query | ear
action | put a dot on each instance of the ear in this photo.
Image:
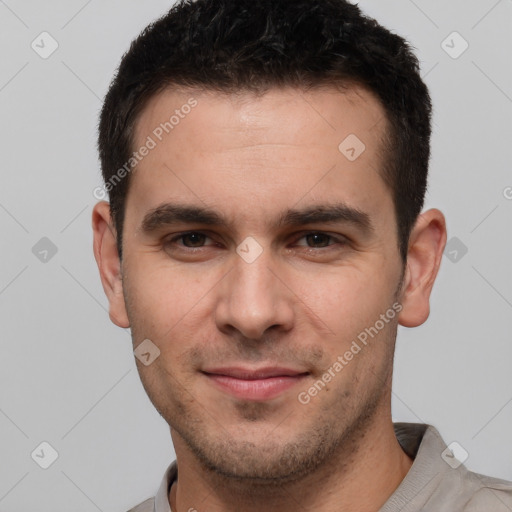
(109, 265)
(426, 246)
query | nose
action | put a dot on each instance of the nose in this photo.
(253, 298)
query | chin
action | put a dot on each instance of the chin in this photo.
(261, 459)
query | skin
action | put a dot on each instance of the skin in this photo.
(300, 304)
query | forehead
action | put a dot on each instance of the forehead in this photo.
(263, 152)
(250, 114)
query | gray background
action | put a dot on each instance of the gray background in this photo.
(67, 375)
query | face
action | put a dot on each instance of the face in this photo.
(257, 250)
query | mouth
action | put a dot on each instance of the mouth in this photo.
(258, 384)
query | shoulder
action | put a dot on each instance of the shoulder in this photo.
(488, 493)
(145, 506)
(438, 482)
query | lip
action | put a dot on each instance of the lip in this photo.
(256, 384)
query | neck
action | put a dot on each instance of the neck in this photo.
(359, 476)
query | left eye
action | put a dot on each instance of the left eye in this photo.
(319, 240)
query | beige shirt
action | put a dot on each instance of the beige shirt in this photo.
(436, 481)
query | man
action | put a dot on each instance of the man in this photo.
(266, 164)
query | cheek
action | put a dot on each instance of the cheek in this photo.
(162, 298)
(153, 305)
(347, 300)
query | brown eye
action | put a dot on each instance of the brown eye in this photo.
(320, 242)
(193, 239)
(318, 239)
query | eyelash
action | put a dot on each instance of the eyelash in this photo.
(342, 241)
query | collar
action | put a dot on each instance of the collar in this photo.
(162, 495)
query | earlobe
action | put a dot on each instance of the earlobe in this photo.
(426, 246)
(109, 265)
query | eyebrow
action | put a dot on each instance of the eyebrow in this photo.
(168, 214)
